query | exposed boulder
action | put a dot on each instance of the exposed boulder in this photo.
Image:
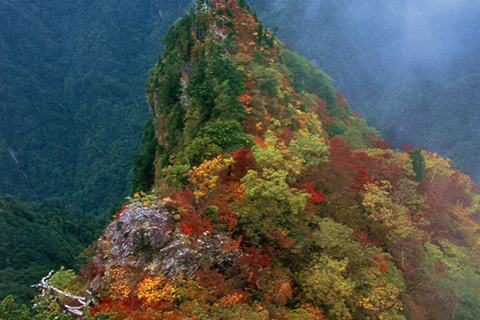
(145, 236)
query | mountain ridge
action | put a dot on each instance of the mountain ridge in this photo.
(259, 194)
(310, 213)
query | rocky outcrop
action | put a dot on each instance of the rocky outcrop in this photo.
(145, 236)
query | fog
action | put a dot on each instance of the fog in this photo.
(410, 66)
(431, 33)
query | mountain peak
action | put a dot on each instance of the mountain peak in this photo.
(222, 70)
(259, 194)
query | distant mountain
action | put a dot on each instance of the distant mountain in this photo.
(72, 98)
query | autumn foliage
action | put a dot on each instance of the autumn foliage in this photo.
(321, 219)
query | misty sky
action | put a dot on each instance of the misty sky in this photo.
(428, 32)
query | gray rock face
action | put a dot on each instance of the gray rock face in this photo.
(146, 237)
(138, 229)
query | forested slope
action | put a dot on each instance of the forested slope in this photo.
(37, 238)
(73, 106)
(259, 194)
